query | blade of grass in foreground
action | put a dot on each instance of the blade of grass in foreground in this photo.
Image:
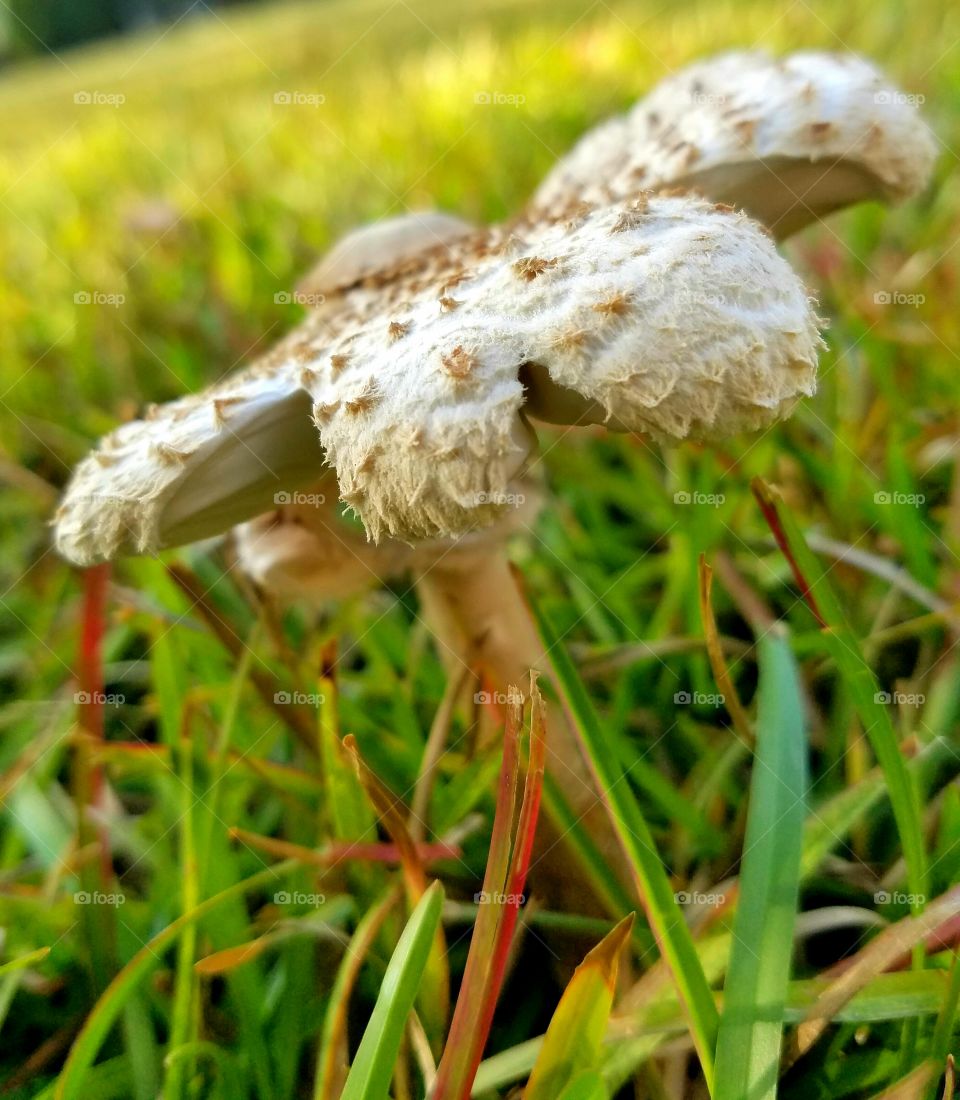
(632, 1042)
(372, 1069)
(329, 1076)
(86, 1046)
(663, 913)
(503, 885)
(751, 1024)
(571, 1046)
(859, 681)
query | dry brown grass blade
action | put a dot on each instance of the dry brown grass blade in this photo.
(337, 853)
(437, 739)
(298, 719)
(715, 652)
(389, 809)
(915, 1086)
(879, 955)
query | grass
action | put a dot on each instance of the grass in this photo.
(185, 215)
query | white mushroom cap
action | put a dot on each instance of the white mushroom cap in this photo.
(787, 140)
(672, 316)
(382, 244)
(304, 551)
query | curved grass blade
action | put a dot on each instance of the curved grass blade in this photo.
(751, 1024)
(329, 1075)
(859, 681)
(663, 913)
(434, 1001)
(372, 1069)
(503, 885)
(632, 1040)
(586, 1086)
(572, 1043)
(887, 949)
(72, 1080)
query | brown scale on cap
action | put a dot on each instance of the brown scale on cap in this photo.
(459, 363)
(628, 219)
(448, 305)
(369, 462)
(614, 305)
(573, 339)
(322, 412)
(397, 330)
(746, 130)
(338, 362)
(365, 400)
(170, 456)
(221, 406)
(530, 267)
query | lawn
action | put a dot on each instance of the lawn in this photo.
(168, 923)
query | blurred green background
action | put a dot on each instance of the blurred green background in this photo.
(160, 190)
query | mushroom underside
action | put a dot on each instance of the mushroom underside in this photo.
(784, 193)
(241, 473)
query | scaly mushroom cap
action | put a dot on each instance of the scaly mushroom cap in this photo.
(787, 140)
(670, 316)
(373, 247)
(304, 551)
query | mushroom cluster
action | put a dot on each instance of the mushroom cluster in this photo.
(637, 291)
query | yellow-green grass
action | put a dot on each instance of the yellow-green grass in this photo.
(186, 199)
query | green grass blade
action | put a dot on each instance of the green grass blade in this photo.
(586, 1086)
(572, 1043)
(372, 1069)
(751, 1024)
(663, 913)
(72, 1080)
(860, 681)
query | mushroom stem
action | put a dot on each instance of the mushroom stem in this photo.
(477, 614)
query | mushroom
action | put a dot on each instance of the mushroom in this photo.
(788, 140)
(666, 315)
(661, 314)
(369, 249)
